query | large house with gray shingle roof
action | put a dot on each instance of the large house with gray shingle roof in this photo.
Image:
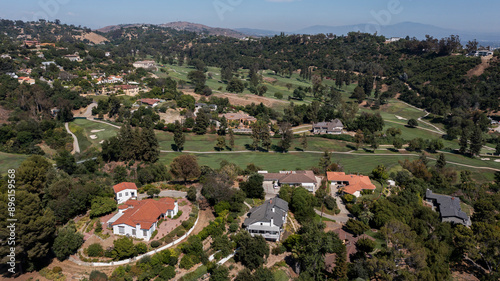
(267, 220)
(333, 127)
(448, 207)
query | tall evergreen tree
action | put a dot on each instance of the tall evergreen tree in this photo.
(221, 143)
(179, 137)
(464, 141)
(231, 139)
(265, 136)
(476, 141)
(303, 141)
(150, 151)
(441, 162)
(286, 136)
(325, 161)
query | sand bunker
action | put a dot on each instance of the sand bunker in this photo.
(93, 137)
(485, 159)
(400, 118)
(497, 160)
(101, 141)
(97, 131)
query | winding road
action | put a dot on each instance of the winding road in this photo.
(76, 146)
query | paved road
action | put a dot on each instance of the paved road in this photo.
(165, 193)
(88, 111)
(76, 146)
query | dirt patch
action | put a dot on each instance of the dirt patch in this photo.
(384, 88)
(4, 115)
(92, 37)
(462, 276)
(243, 100)
(171, 116)
(269, 79)
(479, 70)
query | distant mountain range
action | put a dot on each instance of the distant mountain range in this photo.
(403, 29)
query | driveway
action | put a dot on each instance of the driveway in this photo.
(76, 146)
(165, 193)
(269, 190)
(344, 214)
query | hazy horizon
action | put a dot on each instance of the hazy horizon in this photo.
(277, 15)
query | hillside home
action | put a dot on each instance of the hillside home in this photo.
(448, 207)
(26, 80)
(306, 179)
(267, 220)
(350, 184)
(333, 127)
(125, 191)
(73, 58)
(149, 102)
(139, 219)
(148, 64)
(129, 90)
(239, 120)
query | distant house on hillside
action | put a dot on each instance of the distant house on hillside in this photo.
(448, 207)
(26, 80)
(480, 53)
(350, 184)
(149, 102)
(306, 179)
(333, 127)
(125, 191)
(139, 219)
(267, 220)
(147, 64)
(73, 58)
(129, 90)
(239, 120)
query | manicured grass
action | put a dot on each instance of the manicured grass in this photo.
(378, 242)
(280, 275)
(242, 142)
(10, 161)
(83, 130)
(195, 275)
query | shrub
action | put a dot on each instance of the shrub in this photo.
(181, 232)
(233, 227)
(95, 250)
(330, 203)
(141, 248)
(155, 244)
(96, 275)
(178, 215)
(98, 227)
(185, 224)
(57, 269)
(186, 262)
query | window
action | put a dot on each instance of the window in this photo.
(145, 233)
(126, 193)
(132, 193)
(134, 232)
(119, 195)
(121, 229)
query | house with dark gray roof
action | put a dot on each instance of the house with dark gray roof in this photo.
(448, 207)
(333, 127)
(267, 220)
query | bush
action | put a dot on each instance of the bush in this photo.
(98, 227)
(155, 244)
(181, 232)
(233, 227)
(178, 215)
(95, 250)
(186, 262)
(330, 203)
(57, 269)
(278, 250)
(141, 248)
(185, 224)
(96, 275)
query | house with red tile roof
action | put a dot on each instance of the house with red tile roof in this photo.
(125, 191)
(139, 219)
(149, 102)
(350, 184)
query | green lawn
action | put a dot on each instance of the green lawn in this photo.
(10, 161)
(378, 242)
(83, 130)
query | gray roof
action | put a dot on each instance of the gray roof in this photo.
(293, 177)
(448, 206)
(264, 212)
(330, 125)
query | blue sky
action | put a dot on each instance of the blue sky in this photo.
(279, 15)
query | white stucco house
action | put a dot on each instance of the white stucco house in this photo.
(267, 220)
(306, 179)
(125, 191)
(139, 219)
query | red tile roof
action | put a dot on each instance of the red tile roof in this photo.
(124, 185)
(149, 101)
(145, 212)
(356, 183)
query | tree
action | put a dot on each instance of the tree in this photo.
(365, 245)
(67, 242)
(198, 78)
(412, 123)
(235, 86)
(66, 162)
(32, 174)
(441, 161)
(202, 122)
(120, 174)
(101, 206)
(302, 205)
(476, 141)
(435, 145)
(150, 149)
(359, 94)
(265, 136)
(397, 143)
(303, 141)
(253, 187)
(356, 227)
(286, 136)
(152, 192)
(123, 248)
(325, 161)
(185, 167)
(221, 143)
(231, 139)
(220, 273)
(252, 251)
(35, 228)
(464, 141)
(179, 137)
(191, 194)
(380, 174)
(359, 138)
(95, 250)
(222, 127)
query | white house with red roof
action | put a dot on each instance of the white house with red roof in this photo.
(139, 219)
(125, 191)
(350, 184)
